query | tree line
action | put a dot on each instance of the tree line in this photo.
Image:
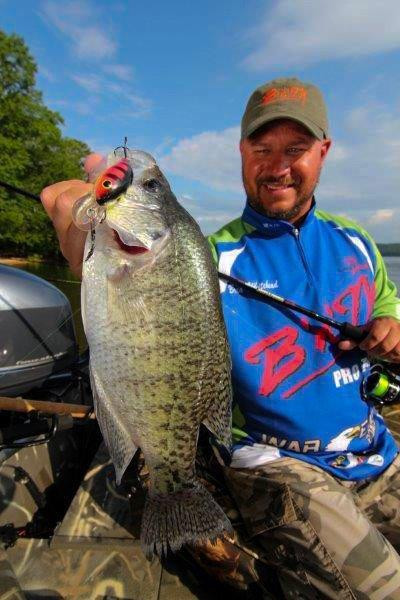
(33, 151)
(389, 249)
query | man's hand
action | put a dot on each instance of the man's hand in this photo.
(382, 341)
(58, 200)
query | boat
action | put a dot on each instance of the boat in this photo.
(66, 530)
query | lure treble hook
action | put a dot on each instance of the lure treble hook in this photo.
(92, 234)
(108, 186)
(124, 148)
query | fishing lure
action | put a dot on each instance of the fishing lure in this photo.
(89, 211)
(113, 182)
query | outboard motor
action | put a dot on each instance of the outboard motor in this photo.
(43, 457)
(37, 336)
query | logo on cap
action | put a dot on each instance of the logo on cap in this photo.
(280, 94)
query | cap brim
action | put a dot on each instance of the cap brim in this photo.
(264, 119)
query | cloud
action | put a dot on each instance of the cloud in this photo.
(214, 218)
(122, 72)
(361, 175)
(94, 43)
(369, 168)
(82, 23)
(338, 153)
(90, 83)
(211, 157)
(366, 181)
(46, 73)
(72, 19)
(142, 106)
(129, 104)
(380, 216)
(307, 31)
(211, 213)
(162, 147)
(82, 108)
(98, 146)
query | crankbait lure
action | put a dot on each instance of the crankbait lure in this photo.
(113, 182)
(89, 210)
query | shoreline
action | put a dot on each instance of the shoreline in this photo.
(16, 260)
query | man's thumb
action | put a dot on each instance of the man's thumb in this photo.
(94, 164)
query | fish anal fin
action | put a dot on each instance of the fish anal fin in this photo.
(116, 436)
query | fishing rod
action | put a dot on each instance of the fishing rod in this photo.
(347, 330)
(17, 190)
(381, 387)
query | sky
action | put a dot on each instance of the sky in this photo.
(174, 77)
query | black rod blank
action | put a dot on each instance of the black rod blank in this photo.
(17, 190)
(347, 330)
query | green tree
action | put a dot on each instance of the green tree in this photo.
(33, 153)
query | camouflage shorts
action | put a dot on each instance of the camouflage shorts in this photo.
(326, 538)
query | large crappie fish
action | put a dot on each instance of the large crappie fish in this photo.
(159, 356)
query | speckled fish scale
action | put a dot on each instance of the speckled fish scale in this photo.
(159, 356)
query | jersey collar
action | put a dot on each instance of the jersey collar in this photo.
(273, 227)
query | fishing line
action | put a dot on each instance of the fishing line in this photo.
(240, 317)
(347, 330)
(17, 190)
(71, 316)
(63, 280)
(92, 237)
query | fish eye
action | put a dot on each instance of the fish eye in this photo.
(155, 235)
(107, 183)
(151, 185)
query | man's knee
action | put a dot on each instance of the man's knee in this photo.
(312, 531)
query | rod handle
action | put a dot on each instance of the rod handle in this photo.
(353, 332)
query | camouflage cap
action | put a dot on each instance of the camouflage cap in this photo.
(286, 99)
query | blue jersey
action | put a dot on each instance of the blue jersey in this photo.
(295, 392)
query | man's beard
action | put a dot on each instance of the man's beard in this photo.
(282, 215)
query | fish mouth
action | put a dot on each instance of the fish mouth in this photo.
(129, 248)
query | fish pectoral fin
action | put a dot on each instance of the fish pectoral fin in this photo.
(115, 434)
(121, 304)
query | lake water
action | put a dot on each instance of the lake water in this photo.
(62, 277)
(393, 267)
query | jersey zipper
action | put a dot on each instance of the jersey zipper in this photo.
(307, 269)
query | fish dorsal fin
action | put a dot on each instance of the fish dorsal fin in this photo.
(218, 418)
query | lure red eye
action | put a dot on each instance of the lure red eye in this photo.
(113, 181)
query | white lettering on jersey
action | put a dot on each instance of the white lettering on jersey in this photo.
(293, 445)
(348, 375)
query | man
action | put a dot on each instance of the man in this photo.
(314, 470)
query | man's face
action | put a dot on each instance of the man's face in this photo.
(281, 164)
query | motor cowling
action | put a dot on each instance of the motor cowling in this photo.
(37, 336)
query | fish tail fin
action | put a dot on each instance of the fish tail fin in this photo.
(187, 516)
